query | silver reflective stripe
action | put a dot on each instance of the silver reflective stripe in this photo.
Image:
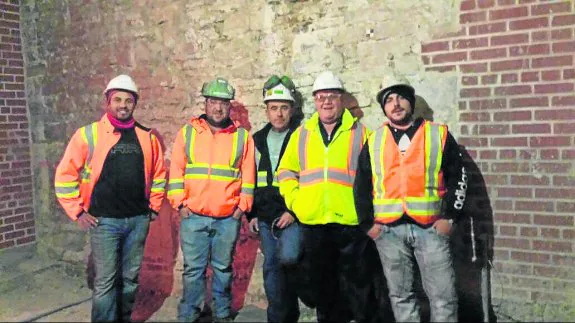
(188, 129)
(424, 205)
(258, 157)
(338, 176)
(196, 170)
(201, 170)
(176, 186)
(66, 190)
(356, 144)
(302, 148)
(310, 177)
(262, 179)
(90, 137)
(239, 147)
(247, 190)
(388, 208)
(287, 174)
(225, 173)
(377, 166)
(434, 137)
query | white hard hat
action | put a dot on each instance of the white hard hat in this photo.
(122, 82)
(327, 81)
(278, 92)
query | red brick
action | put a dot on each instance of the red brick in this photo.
(507, 154)
(513, 90)
(472, 17)
(495, 129)
(467, 5)
(549, 154)
(550, 75)
(25, 240)
(563, 20)
(529, 102)
(450, 57)
(425, 59)
(469, 80)
(555, 193)
(509, 78)
(470, 43)
(473, 68)
(506, 2)
(569, 74)
(488, 154)
(475, 92)
(552, 272)
(489, 79)
(435, 47)
(563, 101)
(554, 246)
(482, 4)
(512, 218)
(474, 116)
(566, 114)
(564, 128)
(565, 207)
(539, 49)
(564, 181)
(559, 34)
(488, 53)
(528, 232)
(553, 88)
(509, 39)
(505, 167)
(530, 257)
(550, 8)
(25, 225)
(568, 234)
(508, 142)
(515, 192)
(539, 36)
(563, 47)
(488, 104)
(529, 180)
(508, 13)
(554, 167)
(534, 206)
(14, 234)
(512, 116)
(538, 128)
(507, 230)
(529, 76)
(473, 142)
(529, 23)
(561, 260)
(550, 233)
(7, 244)
(501, 254)
(496, 27)
(512, 243)
(552, 61)
(549, 141)
(514, 64)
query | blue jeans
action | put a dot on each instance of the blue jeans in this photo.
(204, 238)
(117, 248)
(280, 255)
(399, 248)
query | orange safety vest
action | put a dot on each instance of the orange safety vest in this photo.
(410, 183)
(81, 166)
(212, 173)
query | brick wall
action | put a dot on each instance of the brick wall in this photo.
(515, 59)
(16, 216)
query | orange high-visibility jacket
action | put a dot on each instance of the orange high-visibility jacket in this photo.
(212, 173)
(411, 183)
(80, 168)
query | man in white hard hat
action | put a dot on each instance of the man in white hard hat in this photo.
(277, 226)
(111, 182)
(316, 175)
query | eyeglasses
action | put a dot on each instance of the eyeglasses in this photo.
(274, 80)
(321, 97)
(214, 102)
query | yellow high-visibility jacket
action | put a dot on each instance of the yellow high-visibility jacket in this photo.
(317, 181)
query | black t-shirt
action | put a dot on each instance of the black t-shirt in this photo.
(121, 189)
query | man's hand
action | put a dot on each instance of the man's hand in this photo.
(185, 212)
(285, 220)
(237, 213)
(254, 226)
(443, 227)
(87, 221)
(375, 231)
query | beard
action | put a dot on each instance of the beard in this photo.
(221, 124)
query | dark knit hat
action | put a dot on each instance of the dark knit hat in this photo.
(404, 90)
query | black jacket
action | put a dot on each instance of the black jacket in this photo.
(268, 203)
(454, 177)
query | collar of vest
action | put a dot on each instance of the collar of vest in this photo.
(347, 121)
(201, 125)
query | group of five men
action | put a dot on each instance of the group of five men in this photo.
(326, 197)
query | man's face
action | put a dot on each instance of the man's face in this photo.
(217, 110)
(328, 105)
(279, 114)
(121, 105)
(398, 109)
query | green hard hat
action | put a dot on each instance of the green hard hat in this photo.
(218, 88)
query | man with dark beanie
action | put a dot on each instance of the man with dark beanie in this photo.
(111, 182)
(411, 181)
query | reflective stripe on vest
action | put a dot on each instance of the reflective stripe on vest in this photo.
(71, 189)
(424, 208)
(337, 176)
(262, 176)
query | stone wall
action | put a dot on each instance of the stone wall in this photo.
(16, 215)
(498, 73)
